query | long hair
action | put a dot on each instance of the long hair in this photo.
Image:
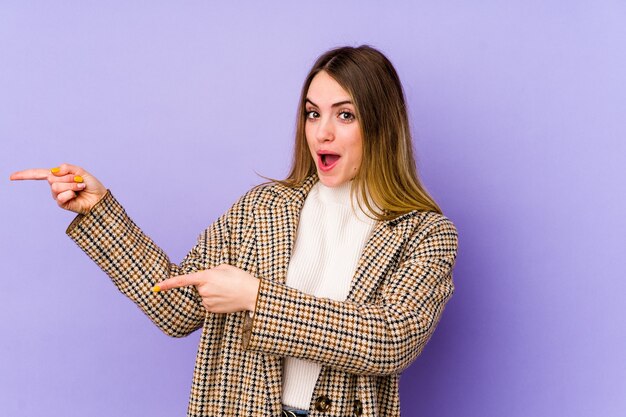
(387, 184)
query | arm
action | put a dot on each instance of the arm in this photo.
(379, 339)
(135, 263)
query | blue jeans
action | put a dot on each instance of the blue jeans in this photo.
(293, 412)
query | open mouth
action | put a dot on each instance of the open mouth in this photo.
(329, 159)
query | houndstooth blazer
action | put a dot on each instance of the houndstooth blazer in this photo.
(399, 289)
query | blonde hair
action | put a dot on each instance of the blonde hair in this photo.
(387, 183)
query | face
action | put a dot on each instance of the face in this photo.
(332, 131)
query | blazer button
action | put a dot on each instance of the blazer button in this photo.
(322, 403)
(358, 408)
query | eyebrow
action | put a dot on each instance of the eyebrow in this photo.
(333, 105)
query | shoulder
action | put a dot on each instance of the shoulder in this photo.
(275, 193)
(261, 198)
(422, 222)
(426, 231)
(266, 194)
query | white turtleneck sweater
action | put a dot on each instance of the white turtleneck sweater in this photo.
(332, 234)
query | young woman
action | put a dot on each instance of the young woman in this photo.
(314, 292)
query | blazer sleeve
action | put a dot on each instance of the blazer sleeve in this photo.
(135, 263)
(376, 339)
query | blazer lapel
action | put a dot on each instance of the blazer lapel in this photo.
(276, 226)
(379, 258)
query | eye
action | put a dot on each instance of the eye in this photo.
(311, 114)
(346, 115)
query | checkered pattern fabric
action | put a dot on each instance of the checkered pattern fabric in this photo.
(398, 292)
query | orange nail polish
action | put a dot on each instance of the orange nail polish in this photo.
(55, 170)
(78, 178)
(156, 288)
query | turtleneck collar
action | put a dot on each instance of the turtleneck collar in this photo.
(340, 196)
(335, 195)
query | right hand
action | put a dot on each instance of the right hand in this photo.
(66, 186)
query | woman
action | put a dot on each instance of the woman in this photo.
(314, 292)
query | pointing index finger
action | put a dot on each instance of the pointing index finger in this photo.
(177, 282)
(30, 174)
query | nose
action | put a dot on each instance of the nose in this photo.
(325, 130)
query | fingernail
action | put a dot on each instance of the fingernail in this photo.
(81, 186)
(156, 288)
(78, 178)
(55, 170)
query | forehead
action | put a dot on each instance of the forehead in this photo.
(325, 90)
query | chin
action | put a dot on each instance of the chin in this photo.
(331, 181)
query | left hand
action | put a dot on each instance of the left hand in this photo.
(224, 289)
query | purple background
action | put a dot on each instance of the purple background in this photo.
(519, 115)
